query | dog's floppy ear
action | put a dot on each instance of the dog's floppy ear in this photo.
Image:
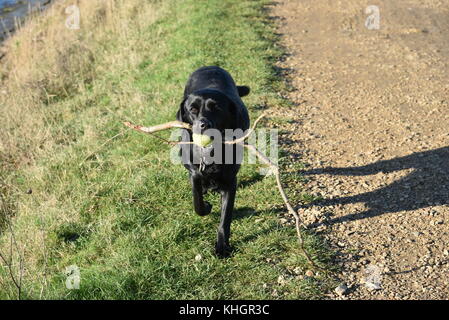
(240, 119)
(181, 114)
(243, 90)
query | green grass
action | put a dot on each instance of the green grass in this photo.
(124, 215)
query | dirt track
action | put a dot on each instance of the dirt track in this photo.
(372, 124)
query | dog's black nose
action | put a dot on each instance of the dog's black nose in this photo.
(201, 125)
(204, 124)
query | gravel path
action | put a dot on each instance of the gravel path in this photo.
(372, 124)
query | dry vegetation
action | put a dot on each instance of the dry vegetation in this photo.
(46, 76)
(47, 62)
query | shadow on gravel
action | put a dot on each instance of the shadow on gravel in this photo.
(427, 185)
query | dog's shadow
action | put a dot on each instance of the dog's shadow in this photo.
(246, 182)
(244, 212)
(427, 185)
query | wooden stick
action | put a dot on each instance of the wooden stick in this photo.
(298, 222)
(159, 127)
(183, 125)
(251, 148)
(248, 133)
(16, 279)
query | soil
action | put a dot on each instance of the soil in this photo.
(371, 123)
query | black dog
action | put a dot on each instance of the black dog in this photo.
(212, 101)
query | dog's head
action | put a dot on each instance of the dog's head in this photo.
(209, 109)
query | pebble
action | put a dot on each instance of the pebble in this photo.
(372, 286)
(282, 280)
(309, 273)
(341, 290)
(365, 262)
(297, 271)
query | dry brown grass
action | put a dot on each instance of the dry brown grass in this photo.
(46, 62)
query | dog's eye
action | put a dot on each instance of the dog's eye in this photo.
(211, 105)
(194, 108)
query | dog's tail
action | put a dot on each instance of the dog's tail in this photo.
(243, 90)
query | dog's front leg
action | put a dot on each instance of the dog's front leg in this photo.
(201, 207)
(222, 247)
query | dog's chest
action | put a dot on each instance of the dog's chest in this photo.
(215, 173)
(211, 176)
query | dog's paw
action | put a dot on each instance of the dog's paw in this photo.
(222, 249)
(207, 209)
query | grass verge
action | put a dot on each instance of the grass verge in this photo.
(122, 211)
